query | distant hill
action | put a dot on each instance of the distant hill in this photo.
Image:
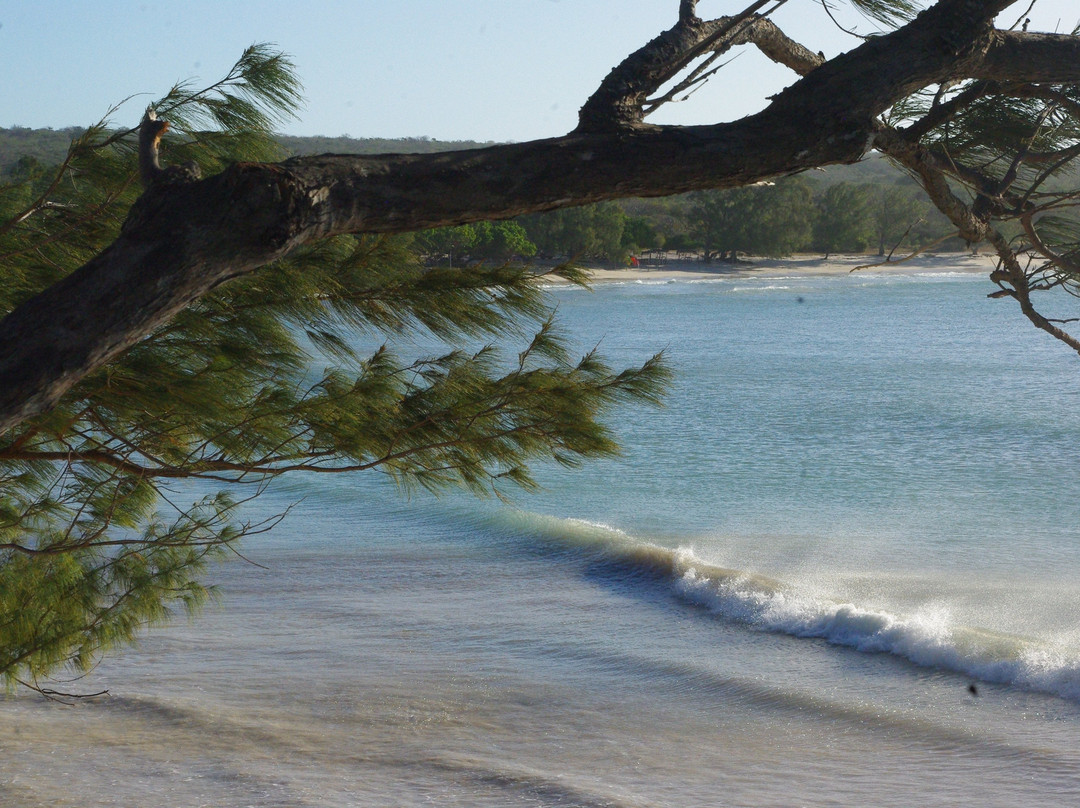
(47, 146)
(298, 146)
(50, 146)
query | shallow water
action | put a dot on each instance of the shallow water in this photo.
(860, 500)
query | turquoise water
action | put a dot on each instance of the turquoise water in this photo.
(860, 500)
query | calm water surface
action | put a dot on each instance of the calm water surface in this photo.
(861, 499)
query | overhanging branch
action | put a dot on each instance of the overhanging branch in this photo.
(182, 240)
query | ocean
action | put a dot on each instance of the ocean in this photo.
(838, 568)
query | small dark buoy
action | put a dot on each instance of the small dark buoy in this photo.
(973, 689)
(799, 299)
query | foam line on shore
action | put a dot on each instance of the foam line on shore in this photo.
(929, 638)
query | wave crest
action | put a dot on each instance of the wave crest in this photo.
(929, 637)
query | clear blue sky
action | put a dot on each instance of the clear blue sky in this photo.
(450, 69)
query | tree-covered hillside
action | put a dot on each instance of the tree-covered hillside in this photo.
(49, 146)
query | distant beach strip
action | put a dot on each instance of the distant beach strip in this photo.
(682, 269)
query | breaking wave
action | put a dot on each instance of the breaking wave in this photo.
(928, 638)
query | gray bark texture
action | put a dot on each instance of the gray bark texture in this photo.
(182, 239)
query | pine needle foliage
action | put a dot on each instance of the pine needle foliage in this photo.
(887, 12)
(1004, 156)
(99, 535)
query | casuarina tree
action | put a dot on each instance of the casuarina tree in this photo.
(154, 320)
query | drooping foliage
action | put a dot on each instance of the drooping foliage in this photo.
(113, 503)
(1000, 159)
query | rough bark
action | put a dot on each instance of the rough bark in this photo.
(181, 240)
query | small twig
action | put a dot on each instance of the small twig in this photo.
(1010, 175)
(60, 696)
(1023, 17)
(1059, 261)
(696, 77)
(825, 5)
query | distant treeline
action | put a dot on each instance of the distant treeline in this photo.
(793, 215)
(869, 206)
(46, 146)
(297, 146)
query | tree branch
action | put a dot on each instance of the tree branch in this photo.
(758, 31)
(1028, 57)
(942, 112)
(182, 240)
(621, 99)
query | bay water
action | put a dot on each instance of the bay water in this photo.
(838, 568)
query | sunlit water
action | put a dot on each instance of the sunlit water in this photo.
(861, 499)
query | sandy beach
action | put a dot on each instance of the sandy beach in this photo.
(839, 264)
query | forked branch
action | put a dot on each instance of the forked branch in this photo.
(624, 97)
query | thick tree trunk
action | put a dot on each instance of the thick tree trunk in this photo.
(181, 240)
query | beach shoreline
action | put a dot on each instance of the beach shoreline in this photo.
(796, 265)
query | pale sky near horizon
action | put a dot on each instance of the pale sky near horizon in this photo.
(501, 70)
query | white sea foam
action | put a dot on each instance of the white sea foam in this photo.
(764, 287)
(929, 637)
